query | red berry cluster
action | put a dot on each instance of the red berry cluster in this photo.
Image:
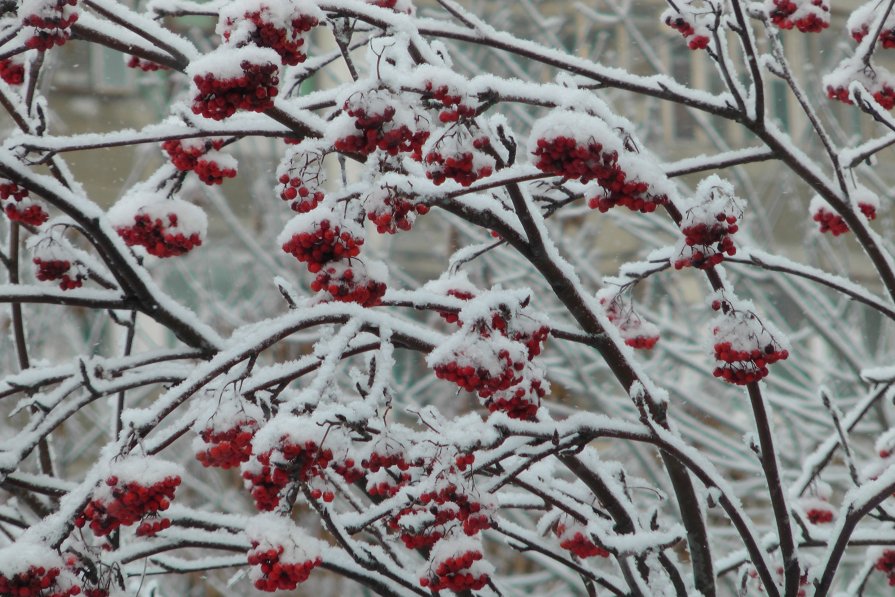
(394, 479)
(819, 515)
(37, 581)
(324, 243)
(395, 212)
(886, 36)
(288, 462)
(276, 574)
(185, 153)
(12, 71)
(576, 540)
(708, 242)
(680, 24)
(376, 129)
(18, 207)
(348, 470)
(228, 448)
(451, 316)
(128, 502)
(883, 93)
(460, 166)
(288, 41)
(303, 195)
(452, 574)
(631, 194)
(221, 98)
(566, 157)
(144, 65)
(58, 269)
(479, 379)
(518, 402)
(349, 284)
(153, 235)
(451, 100)
(150, 528)
(638, 334)
(52, 23)
(213, 167)
(830, 221)
(744, 359)
(809, 21)
(886, 564)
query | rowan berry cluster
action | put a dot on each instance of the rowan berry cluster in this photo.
(708, 226)
(203, 157)
(832, 222)
(18, 207)
(686, 24)
(50, 22)
(349, 282)
(574, 538)
(376, 126)
(390, 210)
(144, 65)
(388, 471)
(218, 96)
(272, 470)
(322, 242)
(886, 36)
(12, 71)
(277, 573)
(36, 581)
(885, 563)
(744, 346)
(227, 448)
(637, 332)
(303, 196)
(451, 100)
(58, 269)
(571, 159)
(808, 16)
(461, 156)
(455, 573)
(882, 92)
(123, 503)
(155, 236)
(266, 27)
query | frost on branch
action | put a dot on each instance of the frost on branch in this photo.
(708, 223)
(165, 227)
(282, 555)
(280, 25)
(744, 346)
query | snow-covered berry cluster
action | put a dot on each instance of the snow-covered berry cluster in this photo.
(31, 570)
(388, 468)
(300, 178)
(830, 221)
(377, 119)
(708, 224)
(403, 6)
(137, 489)
(462, 154)
(861, 19)
(320, 237)
(690, 22)
(808, 16)
(47, 22)
(281, 555)
(280, 25)
(636, 331)
(391, 210)
(203, 157)
(352, 281)
(492, 355)
(51, 270)
(818, 510)
(18, 206)
(231, 79)
(878, 81)
(573, 537)
(579, 146)
(456, 564)
(12, 70)
(450, 98)
(164, 227)
(227, 448)
(743, 345)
